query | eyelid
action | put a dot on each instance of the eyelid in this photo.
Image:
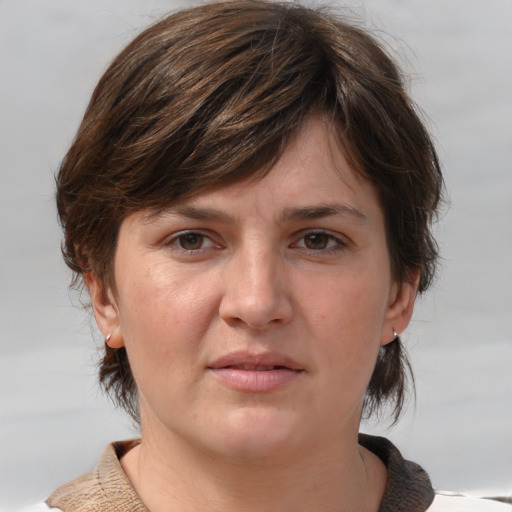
(341, 241)
(172, 241)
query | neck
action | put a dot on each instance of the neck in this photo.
(175, 476)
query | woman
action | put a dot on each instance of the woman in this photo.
(249, 200)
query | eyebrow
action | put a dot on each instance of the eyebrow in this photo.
(322, 211)
(290, 214)
(197, 213)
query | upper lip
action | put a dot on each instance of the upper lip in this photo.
(254, 361)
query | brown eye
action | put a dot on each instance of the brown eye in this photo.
(191, 241)
(317, 241)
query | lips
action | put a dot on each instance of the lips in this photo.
(255, 373)
(251, 367)
(256, 362)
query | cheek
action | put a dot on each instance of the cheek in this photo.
(346, 316)
(348, 303)
(163, 316)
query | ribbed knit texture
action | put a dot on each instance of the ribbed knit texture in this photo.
(408, 488)
(105, 489)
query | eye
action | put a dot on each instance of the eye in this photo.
(320, 241)
(317, 241)
(191, 241)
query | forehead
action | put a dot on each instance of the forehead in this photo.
(312, 173)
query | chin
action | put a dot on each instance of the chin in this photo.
(259, 433)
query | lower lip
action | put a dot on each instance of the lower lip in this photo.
(255, 381)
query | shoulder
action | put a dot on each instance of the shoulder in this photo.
(105, 488)
(85, 490)
(450, 502)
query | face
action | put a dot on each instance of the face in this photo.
(252, 314)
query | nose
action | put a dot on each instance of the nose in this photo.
(256, 290)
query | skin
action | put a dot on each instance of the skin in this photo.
(294, 265)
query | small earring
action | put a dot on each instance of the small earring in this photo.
(107, 339)
(395, 335)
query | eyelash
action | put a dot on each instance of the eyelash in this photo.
(174, 242)
(337, 245)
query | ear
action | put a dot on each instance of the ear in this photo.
(105, 311)
(401, 306)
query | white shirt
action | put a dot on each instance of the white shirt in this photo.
(450, 502)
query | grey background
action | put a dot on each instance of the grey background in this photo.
(53, 420)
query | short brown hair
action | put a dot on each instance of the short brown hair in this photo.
(215, 93)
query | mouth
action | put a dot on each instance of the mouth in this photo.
(253, 368)
(247, 361)
(256, 373)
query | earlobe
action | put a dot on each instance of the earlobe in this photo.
(400, 310)
(105, 311)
